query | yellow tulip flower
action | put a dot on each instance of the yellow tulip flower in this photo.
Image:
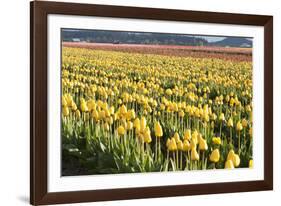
(121, 130)
(244, 122)
(177, 137)
(234, 158)
(147, 135)
(142, 123)
(65, 111)
(169, 92)
(84, 107)
(216, 140)
(251, 163)
(172, 145)
(229, 164)
(239, 126)
(194, 137)
(187, 135)
(186, 146)
(123, 110)
(194, 155)
(129, 125)
(230, 122)
(180, 145)
(158, 130)
(203, 144)
(215, 156)
(221, 117)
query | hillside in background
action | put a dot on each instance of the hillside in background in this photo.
(234, 42)
(131, 38)
(121, 37)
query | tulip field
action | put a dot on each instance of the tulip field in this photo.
(128, 111)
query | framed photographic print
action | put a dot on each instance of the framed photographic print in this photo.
(133, 102)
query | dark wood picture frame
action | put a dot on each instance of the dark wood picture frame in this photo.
(38, 102)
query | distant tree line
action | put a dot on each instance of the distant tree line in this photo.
(121, 37)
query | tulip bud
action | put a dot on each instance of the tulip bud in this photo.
(215, 155)
(244, 123)
(187, 134)
(158, 130)
(186, 146)
(216, 140)
(121, 130)
(230, 122)
(129, 125)
(229, 164)
(147, 136)
(142, 123)
(180, 145)
(172, 145)
(222, 118)
(203, 144)
(239, 126)
(194, 137)
(194, 155)
(251, 164)
(177, 137)
(65, 111)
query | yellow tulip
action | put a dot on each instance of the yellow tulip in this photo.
(180, 145)
(147, 136)
(231, 153)
(169, 92)
(111, 110)
(187, 135)
(203, 144)
(194, 155)
(158, 130)
(251, 163)
(137, 123)
(121, 130)
(74, 106)
(95, 115)
(215, 156)
(142, 123)
(129, 125)
(229, 164)
(239, 126)
(230, 122)
(130, 114)
(123, 110)
(222, 118)
(244, 123)
(102, 114)
(84, 107)
(177, 137)
(63, 101)
(194, 137)
(193, 144)
(65, 111)
(186, 146)
(216, 140)
(181, 113)
(172, 145)
(234, 158)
